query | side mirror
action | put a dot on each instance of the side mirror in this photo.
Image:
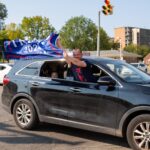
(106, 80)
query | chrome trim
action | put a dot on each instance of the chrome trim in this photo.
(79, 125)
(17, 73)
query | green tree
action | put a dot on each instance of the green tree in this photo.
(138, 49)
(3, 34)
(3, 11)
(79, 32)
(36, 27)
(114, 45)
(143, 50)
(131, 48)
(14, 31)
(3, 37)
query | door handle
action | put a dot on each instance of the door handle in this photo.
(75, 89)
(35, 83)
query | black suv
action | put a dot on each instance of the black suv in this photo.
(118, 103)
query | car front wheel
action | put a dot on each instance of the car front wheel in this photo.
(24, 114)
(138, 132)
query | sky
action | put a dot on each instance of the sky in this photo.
(135, 13)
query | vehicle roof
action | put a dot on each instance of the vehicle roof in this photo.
(49, 59)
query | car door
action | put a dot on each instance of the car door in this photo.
(89, 103)
(51, 95)
(93, 104)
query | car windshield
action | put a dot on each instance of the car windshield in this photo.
(128, 72)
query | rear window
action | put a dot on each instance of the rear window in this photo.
(31, 70)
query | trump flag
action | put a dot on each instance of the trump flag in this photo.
(18, 49)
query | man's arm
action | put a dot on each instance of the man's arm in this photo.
(69, 59)
(74, 61)
(64, 51)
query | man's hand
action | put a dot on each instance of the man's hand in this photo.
(67, 58)
(65, 54)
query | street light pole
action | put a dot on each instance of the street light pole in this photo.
(120, 49)
(98, 36)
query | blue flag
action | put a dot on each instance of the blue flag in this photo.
(18, 49)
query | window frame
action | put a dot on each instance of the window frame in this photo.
(18, 73)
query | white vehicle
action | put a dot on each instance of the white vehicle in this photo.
(140, 66)
(4, 69)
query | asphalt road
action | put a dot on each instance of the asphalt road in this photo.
(53, 137)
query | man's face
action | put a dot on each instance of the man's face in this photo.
(77, 54)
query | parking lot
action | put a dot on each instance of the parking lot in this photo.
(53, 137)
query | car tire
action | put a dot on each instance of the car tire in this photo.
(25, 114)
(138, 132)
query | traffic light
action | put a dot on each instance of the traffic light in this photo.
(110, 9)
(107, 9)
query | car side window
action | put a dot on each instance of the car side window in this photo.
(53, 69)
(60, 70)
(92, 73)
(95, 73)
(99, 74)
(31, 70)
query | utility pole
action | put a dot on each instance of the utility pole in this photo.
(98, 35)
(120, 49)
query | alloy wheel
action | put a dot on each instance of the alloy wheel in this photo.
(141, 135)
(23, 114)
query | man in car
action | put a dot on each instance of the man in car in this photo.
(79, 68)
